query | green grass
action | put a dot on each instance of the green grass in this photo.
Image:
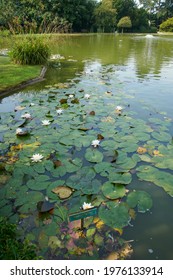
(13, 74)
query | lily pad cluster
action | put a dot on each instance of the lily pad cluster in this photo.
(70, 156)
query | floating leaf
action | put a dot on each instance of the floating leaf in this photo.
(115, 215)
(93, 155)
(98, 239)
(112, 191)
(120, 178)
(54, 242)
(141, 150)
(162, 136)
(160, 178)
(63, 191)
(141, 199)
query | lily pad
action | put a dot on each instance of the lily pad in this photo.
(63, 191)
(93, 155)
(112, 191)
(120, 178)
(141, 199)
(114, 214)
(160, 178)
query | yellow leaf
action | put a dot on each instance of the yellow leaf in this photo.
(141, 150)
(32, 145)
(99, 223)
(132, 213)
(16, 148)
(113, 256)
(157, 153)
(120, 230)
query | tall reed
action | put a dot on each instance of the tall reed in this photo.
(30, 51)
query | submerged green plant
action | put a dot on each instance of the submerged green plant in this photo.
(31, 51)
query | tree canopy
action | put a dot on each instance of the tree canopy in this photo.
(48, 16)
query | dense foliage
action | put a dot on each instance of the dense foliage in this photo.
(54, 16)
(11, 247)
(31, 51)
(167, 25)
(124, 22)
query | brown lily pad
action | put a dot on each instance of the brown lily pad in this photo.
(63, 191)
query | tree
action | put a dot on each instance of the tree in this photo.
(124, 22)
(105, 16)
(125, 8)
(167, 25)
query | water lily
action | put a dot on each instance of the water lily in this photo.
(45, 122)
(18, 131)
(119, 108)
(87, 96)
(59, 111)
(32, 104)
(26, 116)
(95, 143)
(37, 158)
(71, 96)
(86, 206)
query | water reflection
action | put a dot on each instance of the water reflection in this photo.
(148, 55)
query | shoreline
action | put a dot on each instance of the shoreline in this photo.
(24, 83)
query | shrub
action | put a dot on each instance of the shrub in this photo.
(11, 247)
(30, 51)
(167, 25)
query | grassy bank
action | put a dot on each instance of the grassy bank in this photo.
(12, 74)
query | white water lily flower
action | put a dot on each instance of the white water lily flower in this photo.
(37, 158)
(95, 143)
(32, 104)
(87, 96)
(59, 111)
(18, 131)
(119, 108)
(86, 206)
(26, 116)
(45, 122)
(71, 96)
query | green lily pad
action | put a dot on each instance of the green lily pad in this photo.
(114, 214)
(141, 199)
(93, 155)
(35, 185)
(120, 178)
(162, 136)
(112, 191)
(160, 178)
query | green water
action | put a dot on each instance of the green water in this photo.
(141, 70)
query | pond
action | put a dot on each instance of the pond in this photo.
(115, 89)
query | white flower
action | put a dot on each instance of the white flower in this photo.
(87, 96)
(32, 104)
(26, 116)
(95, 143)
(86, 206)
(45, 122)
(37, 158)
(71, 96)
(119, 108)
(59, 111)
(18, 131)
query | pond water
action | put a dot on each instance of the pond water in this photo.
(134, 158)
